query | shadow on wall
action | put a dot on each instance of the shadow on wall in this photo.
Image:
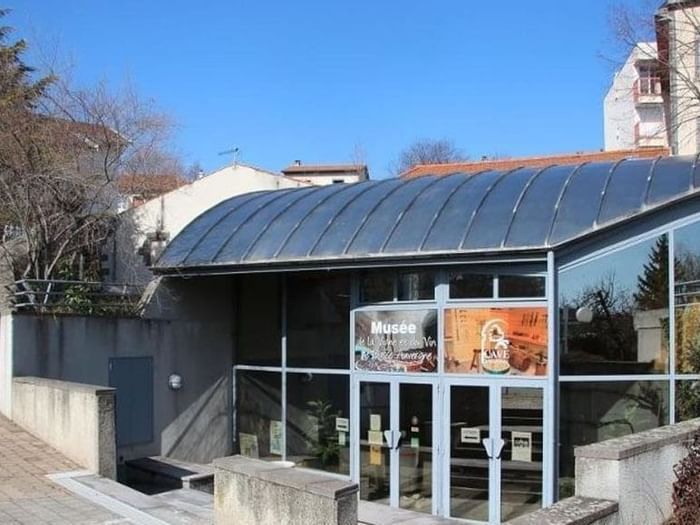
(199, 431)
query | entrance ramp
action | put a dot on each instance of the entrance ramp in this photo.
(175, 507)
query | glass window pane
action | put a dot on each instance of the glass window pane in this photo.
(318, 428)
(318, 321)
(464, 285)
(687, 298)
(509, 341)
(615, 315)
(687, 400)
(416, 447)
(593, 412)
(258, 321)
(375, 418)
(626, 190)
(259, 414)
(521, 466)
(469, 463)
(416, 286)
(376, 286)
(521, 286)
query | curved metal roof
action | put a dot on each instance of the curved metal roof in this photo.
(487, 212)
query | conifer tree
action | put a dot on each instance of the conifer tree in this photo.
(652, 285)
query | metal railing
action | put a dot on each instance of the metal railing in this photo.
(75, 297)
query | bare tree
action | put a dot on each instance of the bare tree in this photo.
(674, 27)
(61, 151)
(427, 151)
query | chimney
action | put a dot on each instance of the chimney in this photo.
(297, 162)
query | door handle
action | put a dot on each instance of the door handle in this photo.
(499, 445)
(494, 447)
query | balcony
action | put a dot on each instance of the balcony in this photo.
(647, 90)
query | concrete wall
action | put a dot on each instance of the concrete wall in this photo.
(254, 492)
(75, 419)
(635, 470)
(193, 423)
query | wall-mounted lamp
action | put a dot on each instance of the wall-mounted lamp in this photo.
(175, 381)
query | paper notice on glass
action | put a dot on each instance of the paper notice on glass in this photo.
(341, 439)
(522, 446)
(375, 455)
(470, 435)
(375, 422)
(374, 437)
(248, 444)
(342, 424)
(415, 442)
(276, 437)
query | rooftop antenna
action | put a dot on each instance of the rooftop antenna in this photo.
(234, 152)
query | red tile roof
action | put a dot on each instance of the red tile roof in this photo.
(532, 162)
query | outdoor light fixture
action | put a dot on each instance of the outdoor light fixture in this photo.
(175, 381)
(584, 314)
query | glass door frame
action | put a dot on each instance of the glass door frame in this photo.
(395, 381)
(495, 387)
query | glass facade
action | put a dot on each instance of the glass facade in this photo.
(380, 340)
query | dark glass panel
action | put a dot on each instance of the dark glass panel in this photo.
(521, 286)
(465, 285)
(258, 321)
(377, 286)
(416, 286)
(318, 321)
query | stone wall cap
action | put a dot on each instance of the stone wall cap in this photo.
(576, 510)
(64, 385)
(280, 474)
(639, 443)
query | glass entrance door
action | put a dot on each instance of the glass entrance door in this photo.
(495, 444)
(396, 444)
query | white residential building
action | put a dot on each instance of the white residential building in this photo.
(145, 230)
(677, 25)
(323, 174)
(634, 112)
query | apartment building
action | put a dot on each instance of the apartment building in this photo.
(678, 40)
(634, 112)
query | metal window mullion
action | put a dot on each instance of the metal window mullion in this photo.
(672, 325)
(283, 344)
(550, 460)
(495, 433)
(442, 290)
(394, 453)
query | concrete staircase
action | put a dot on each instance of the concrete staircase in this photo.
(182, 506)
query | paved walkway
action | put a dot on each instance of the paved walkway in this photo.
(28, 497)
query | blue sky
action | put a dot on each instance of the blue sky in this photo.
(318, 80)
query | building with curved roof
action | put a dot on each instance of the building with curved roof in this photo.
(446, 341)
